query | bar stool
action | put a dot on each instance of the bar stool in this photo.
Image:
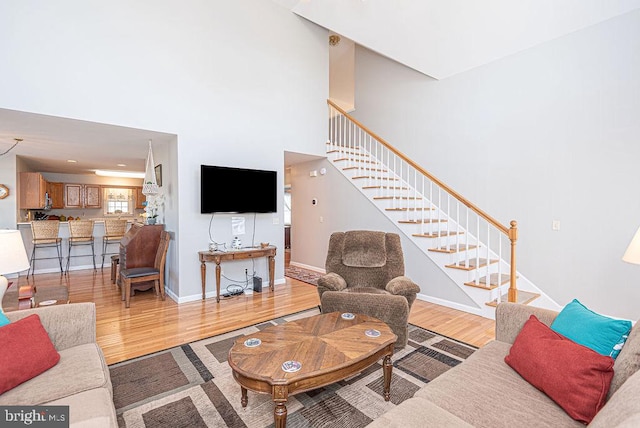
(45, 234)
(81, 233)
(114, 230)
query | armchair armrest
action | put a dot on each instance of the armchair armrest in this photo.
(332, 282)
(67, 325)
(510, 318)
(403, 286)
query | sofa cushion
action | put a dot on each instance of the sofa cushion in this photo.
(25, 352)
(80, 368)
(476, 391)
(574, 376)
(602, 334)
(418, 412)
(89, 409)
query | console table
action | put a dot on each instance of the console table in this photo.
(246, 253)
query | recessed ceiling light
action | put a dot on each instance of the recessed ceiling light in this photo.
(122, 164)
(72, 161)
(123, 174)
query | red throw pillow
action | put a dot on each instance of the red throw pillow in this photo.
(25, 352)
(576, 377)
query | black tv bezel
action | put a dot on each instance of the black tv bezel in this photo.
(244, 179)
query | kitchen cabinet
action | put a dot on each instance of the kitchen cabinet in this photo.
(56, 194)
(33, 191)
(140, 198)
(82, 196)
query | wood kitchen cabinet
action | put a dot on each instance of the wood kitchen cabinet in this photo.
(140, 198)
(82, 196)
(33, 189)
(56, 194)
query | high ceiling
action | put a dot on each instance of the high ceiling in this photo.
(439, 38)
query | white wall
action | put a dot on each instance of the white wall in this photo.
(238, 82)
(551, 133)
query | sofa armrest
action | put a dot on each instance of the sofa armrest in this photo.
(510, 318)
(67, 325)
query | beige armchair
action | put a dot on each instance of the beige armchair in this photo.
(365, 274)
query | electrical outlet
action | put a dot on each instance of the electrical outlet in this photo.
(555, 225)
(276, 220)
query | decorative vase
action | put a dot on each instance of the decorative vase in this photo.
(151, 221)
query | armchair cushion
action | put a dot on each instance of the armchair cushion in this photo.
(364, 249)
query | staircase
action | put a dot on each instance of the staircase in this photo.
(476, 252)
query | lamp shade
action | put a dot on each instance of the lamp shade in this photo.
(13, 257)
(632, 255)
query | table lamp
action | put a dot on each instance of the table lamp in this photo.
(13, 257)
(632, 255)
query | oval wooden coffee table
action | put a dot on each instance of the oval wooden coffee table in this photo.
(317, 351)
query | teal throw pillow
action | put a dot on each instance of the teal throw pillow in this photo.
(604, 335)
(3, 319)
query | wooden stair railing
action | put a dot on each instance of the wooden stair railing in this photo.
(399, 180)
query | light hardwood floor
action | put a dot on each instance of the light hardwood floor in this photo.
(151, 324)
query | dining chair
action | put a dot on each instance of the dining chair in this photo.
(81, 234)
(45, 234)
(114, 230)
(130, 277)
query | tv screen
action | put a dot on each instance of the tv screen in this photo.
(237, 190)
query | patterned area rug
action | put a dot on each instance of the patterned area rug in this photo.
(191, 385)
(304, 275)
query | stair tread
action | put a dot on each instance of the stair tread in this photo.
(353, 160)
(423, 221)
(493, 281)
(472, 264)
(408, 209)
(436, 234)
(348, 168)
(453, 249)
(373, 177)
(406, 198)
(386, 187)
(524, 298)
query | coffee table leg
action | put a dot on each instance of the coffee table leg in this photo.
(386, 369)
(280, 414)
(244, 400)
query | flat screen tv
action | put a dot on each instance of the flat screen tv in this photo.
(237, 190)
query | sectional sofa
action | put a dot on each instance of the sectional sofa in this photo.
(484, 391)
(80, 379)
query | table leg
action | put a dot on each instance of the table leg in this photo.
(218, 272)
(272, 268)
(280, 414)
(244, 400)
(203, 274)
(386, 369)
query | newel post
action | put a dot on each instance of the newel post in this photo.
(513, 236)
